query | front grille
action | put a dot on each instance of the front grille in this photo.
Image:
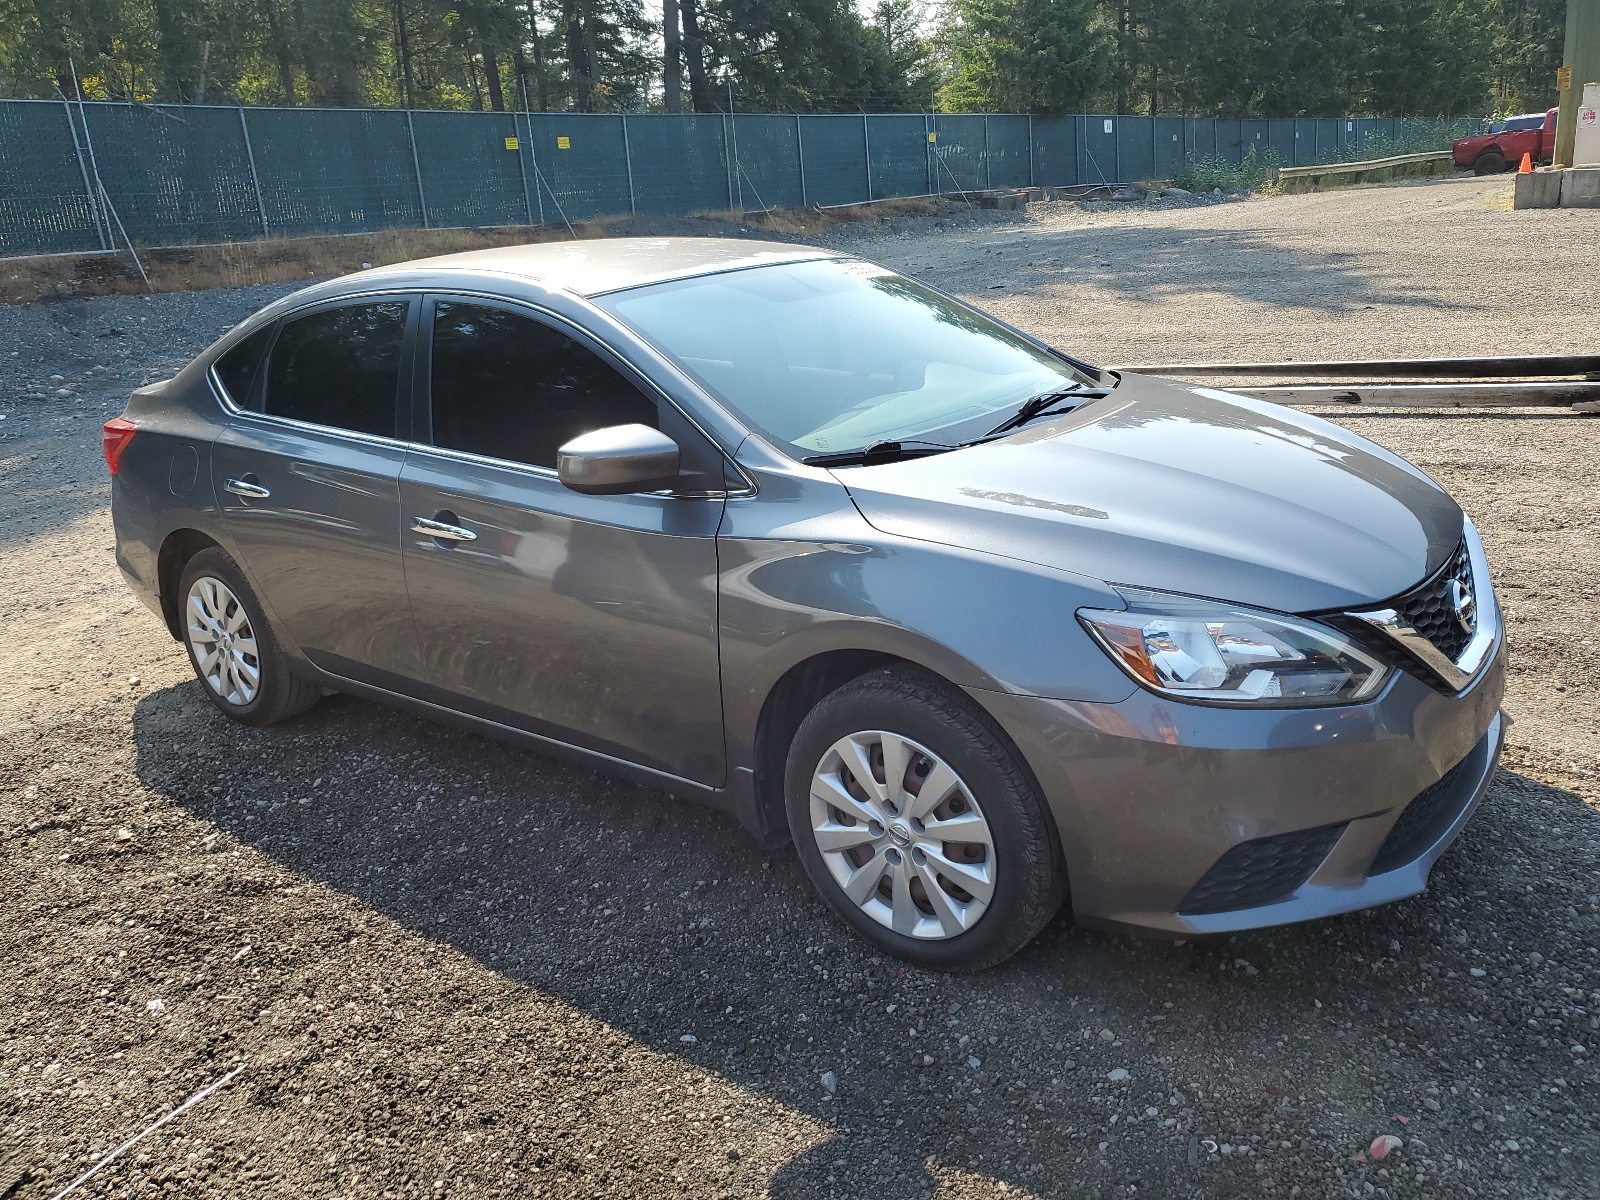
(1430, 611)
(1432, 811)
(1262, 871)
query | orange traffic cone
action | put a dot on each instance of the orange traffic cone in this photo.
(1527, 163)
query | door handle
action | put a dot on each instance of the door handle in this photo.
(442, 530)
(247, 487)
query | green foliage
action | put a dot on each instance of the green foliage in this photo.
(1233, 58)
(1526, 50)
(1044, 56)
(813, 55)
(1414, 137)
(1207, 173)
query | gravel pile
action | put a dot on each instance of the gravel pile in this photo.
(449, 968)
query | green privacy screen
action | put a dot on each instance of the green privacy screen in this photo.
(83, 177)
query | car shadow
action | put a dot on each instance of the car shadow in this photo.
(662, 919)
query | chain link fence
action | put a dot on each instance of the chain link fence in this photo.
(95, 176)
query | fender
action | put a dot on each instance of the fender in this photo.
(825, 581)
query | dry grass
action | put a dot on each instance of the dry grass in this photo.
(285, 260)
(796, 222)
(239, 264)
(880, 210)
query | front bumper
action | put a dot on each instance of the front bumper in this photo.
(1150, 796)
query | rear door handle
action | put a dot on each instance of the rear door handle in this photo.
(442, 530)
(248, 487)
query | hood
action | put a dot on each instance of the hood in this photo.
(1184, 489)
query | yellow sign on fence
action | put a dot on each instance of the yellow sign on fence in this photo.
(512, 143)
(563, 143)
(933, 137)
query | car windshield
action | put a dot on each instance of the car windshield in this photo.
(836, 355)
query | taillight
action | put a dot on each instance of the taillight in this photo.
(114, 438)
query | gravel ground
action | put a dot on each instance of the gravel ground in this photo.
(449, 968)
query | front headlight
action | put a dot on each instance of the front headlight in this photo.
(1213, 651)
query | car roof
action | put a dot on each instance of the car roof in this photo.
(590, 267)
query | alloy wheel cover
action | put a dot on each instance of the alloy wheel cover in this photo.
(902, 835)
(222, 640)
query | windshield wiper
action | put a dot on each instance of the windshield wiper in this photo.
(1038, 406)
(879, 452)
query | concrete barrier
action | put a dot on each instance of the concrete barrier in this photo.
(1538, 189)
(1575, 187)
(1580, 188)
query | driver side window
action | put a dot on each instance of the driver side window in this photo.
(507, 386)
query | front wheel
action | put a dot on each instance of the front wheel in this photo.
(1489, 163)
(918, 824)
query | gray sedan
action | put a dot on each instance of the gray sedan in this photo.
(982, 629)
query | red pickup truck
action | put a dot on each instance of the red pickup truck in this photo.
(1506, 142)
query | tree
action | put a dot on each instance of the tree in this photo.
(671, 58)
(1246, 58)
(332, 34)
(799, 55)
(1045, 56)
(910, 63)
(1528, 38)
(1419, 57)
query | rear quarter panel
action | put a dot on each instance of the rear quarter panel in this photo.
(164, 480)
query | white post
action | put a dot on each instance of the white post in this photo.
(866, 149)
(538, 195)
(522, 166)
(94, 204)
(255, 180)
(800, 153)
(416, 165)
(627, 158)
(733, 137)
(988, 175)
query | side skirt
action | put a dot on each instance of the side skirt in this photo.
(728, 799)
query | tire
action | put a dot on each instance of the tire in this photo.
(218, 614)
(1490, 162)
(1011, 849)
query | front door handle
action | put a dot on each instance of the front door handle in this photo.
(442, 530)
(248, 487)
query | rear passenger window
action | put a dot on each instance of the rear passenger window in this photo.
(506, 386)
(339, 367)
(237, 368)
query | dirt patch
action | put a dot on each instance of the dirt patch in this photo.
(454, 969)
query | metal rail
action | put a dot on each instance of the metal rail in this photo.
(1357, 168)
(1524, 380)
(1516, 366)
(1542, 394)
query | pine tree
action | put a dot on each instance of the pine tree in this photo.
(1045, 56)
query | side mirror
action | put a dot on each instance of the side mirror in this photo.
(617, 460)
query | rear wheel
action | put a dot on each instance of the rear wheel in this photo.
(919, 826)
(1490, 162)
(239, 663)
